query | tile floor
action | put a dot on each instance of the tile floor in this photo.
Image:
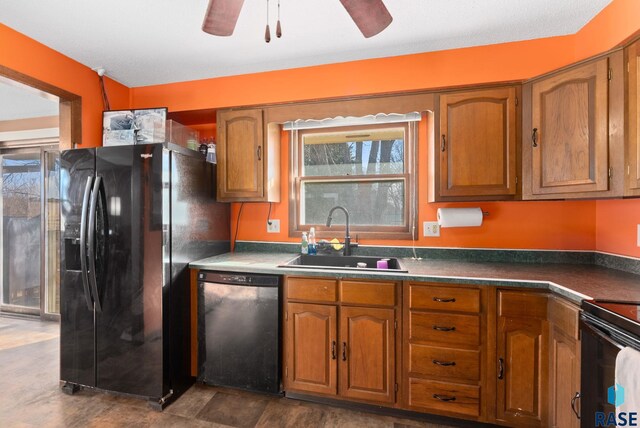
(30, 396)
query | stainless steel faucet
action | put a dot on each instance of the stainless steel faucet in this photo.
(347, 239)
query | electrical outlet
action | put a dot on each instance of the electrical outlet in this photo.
(638, 236)
(274, 227)
(430, 228)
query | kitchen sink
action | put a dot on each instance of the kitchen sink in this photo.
(343, 262)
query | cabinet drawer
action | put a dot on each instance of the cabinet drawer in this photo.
(444, 328)
(368, 293)
(314, 289)
(444, 298)
(522, 304)
(444, 362)
(448, 397)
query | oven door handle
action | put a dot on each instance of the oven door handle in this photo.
(601, 335)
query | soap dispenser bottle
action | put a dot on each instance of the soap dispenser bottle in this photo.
(312, 242)
(304, 245)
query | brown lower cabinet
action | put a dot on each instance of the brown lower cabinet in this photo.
(312, 347)
(481, 353)
(564, 364)
(444, 348)
(522, 347)
(346, 349)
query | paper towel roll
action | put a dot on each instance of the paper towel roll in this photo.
(459, 217)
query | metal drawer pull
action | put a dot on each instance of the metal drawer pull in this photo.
(437, 327)
(444, 397)
(573, 404)
(444, 363)
(441, 300)
(344, 351)
(534, 137)
(333, 350)
(500, 368)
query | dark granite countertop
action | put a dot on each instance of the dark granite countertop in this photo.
(573, 281)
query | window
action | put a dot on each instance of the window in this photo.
(366, 169)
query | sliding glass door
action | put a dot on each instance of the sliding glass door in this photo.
(29, 230)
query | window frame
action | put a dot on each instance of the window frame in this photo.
(407, 231)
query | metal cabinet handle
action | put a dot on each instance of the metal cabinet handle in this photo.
(259, 152)
(534, 137)
(573, 404)
(439, 328)
(344, 351)
(444, 397)
(444, 363)
(441, 300)
(500, 368)
(443, 144)
(333, 350)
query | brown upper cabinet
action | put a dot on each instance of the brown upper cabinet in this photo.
(574, 144)
(632, 187)
(474, 154)
(248, 155)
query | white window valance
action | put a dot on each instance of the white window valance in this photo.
(332, 122)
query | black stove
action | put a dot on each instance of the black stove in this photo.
(606, 327)
(622, 315)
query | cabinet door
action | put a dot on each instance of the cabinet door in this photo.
(240, 154)
(569, 139)
(633, 150)
(565, 380)
(367, 354)
(521, 350)
(522, 346)
(311, 348)
(477, 144)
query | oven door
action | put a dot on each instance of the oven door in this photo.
(598, 359)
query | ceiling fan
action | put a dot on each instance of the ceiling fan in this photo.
(371, 16)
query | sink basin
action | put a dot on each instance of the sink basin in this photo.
(343, 262)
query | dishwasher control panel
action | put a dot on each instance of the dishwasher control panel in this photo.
(240, 278)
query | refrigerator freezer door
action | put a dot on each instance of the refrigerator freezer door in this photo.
(77, 341)
(130, 327)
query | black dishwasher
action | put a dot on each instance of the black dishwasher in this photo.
(239, 330)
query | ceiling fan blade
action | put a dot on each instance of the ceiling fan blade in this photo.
(221, 17)
(371, 16)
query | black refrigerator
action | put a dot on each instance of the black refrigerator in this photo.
(132, 218)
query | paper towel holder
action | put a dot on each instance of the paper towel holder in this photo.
(485, 213)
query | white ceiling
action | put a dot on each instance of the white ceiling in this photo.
(145, 42)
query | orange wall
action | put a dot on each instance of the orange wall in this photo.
(617, 226)
(34, 59)
(503, 62)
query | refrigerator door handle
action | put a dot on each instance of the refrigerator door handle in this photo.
(93, 281)
(83, 242)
